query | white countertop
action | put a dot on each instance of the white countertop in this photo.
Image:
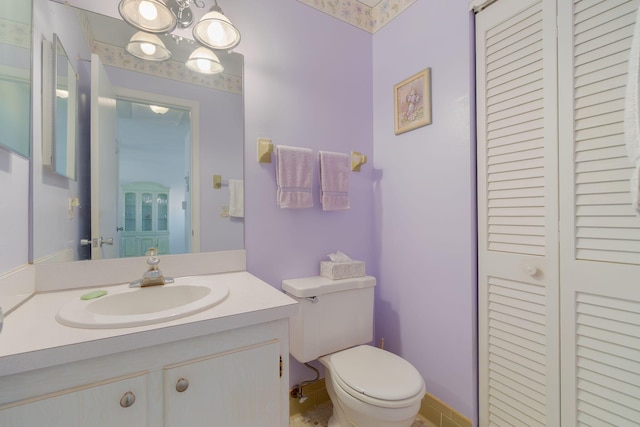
(32, 338)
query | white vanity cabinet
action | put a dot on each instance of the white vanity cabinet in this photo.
(235, 388)
(121, 402)
(236, 378)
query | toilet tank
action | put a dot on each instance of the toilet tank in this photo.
(332, 315)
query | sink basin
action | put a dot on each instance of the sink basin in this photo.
(127, 307)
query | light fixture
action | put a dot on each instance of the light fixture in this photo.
(158, 109)
(151, 16)
(148, 46)
(203, 60)
(215, 31)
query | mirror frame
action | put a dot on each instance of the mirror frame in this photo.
(64, 123)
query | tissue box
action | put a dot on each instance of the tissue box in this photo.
(341, 270)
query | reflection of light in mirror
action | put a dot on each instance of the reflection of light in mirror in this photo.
(61, 93)
(158, 109)
(204, 61)
(148, 48)
(148, 10)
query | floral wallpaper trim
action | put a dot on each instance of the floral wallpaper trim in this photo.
(118, 57)
(367, 18)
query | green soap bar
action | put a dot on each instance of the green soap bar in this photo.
(94, 294)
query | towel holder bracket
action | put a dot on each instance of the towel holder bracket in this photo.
(265, 148)
(357, 160)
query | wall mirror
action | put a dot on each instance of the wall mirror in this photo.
(65, 112)
(205, 114)
(15, 76)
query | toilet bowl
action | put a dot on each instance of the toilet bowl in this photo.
(370, 387)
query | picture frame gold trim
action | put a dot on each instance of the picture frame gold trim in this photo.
(412, 102)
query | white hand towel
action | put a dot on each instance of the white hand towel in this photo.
(236, 198)
(632, 114)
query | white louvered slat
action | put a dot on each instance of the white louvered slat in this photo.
(510, 104)
(586, 9)
(592, 67)
(601, 188)
(603, 164)
(525, 90)
(600, 31)
(602, 13)
(585, 146)
(608, 358)
(517, 349)
(600, 153)
(535, 389)
(617, 82)
(598, 98)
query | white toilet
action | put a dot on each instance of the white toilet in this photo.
(368, 387)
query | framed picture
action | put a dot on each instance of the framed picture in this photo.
(412, 102)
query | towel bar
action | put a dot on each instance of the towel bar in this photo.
(265, 148)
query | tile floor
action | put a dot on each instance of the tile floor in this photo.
(319, 417)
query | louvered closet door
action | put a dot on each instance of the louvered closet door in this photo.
(517, 213)
(599, 235)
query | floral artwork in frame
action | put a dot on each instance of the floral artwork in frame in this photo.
(412, 102)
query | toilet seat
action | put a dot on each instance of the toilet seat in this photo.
(376, 376)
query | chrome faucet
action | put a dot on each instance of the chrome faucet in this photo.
(153, 276)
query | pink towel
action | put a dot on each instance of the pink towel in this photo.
(294, 176)
(334, 171)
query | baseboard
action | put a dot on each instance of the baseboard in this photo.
(432, 409)
(440, 414)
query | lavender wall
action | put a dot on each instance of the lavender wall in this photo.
(307, 84)
(425, 202)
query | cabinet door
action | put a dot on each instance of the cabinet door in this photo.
(240, 388)
(600, 235)
(146, 242)
(130, 246)
(162, 243)
(91, 406)
(517, 214)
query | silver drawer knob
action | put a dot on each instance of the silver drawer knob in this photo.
(182, 385)
(127, 399)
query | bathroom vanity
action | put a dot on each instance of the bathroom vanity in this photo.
(227, 365)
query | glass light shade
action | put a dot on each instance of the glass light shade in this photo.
(204, 61)
(158, 109)
(152, 16)
(148, 46)
(214, 30)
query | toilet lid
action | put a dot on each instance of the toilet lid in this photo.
(377, 373)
